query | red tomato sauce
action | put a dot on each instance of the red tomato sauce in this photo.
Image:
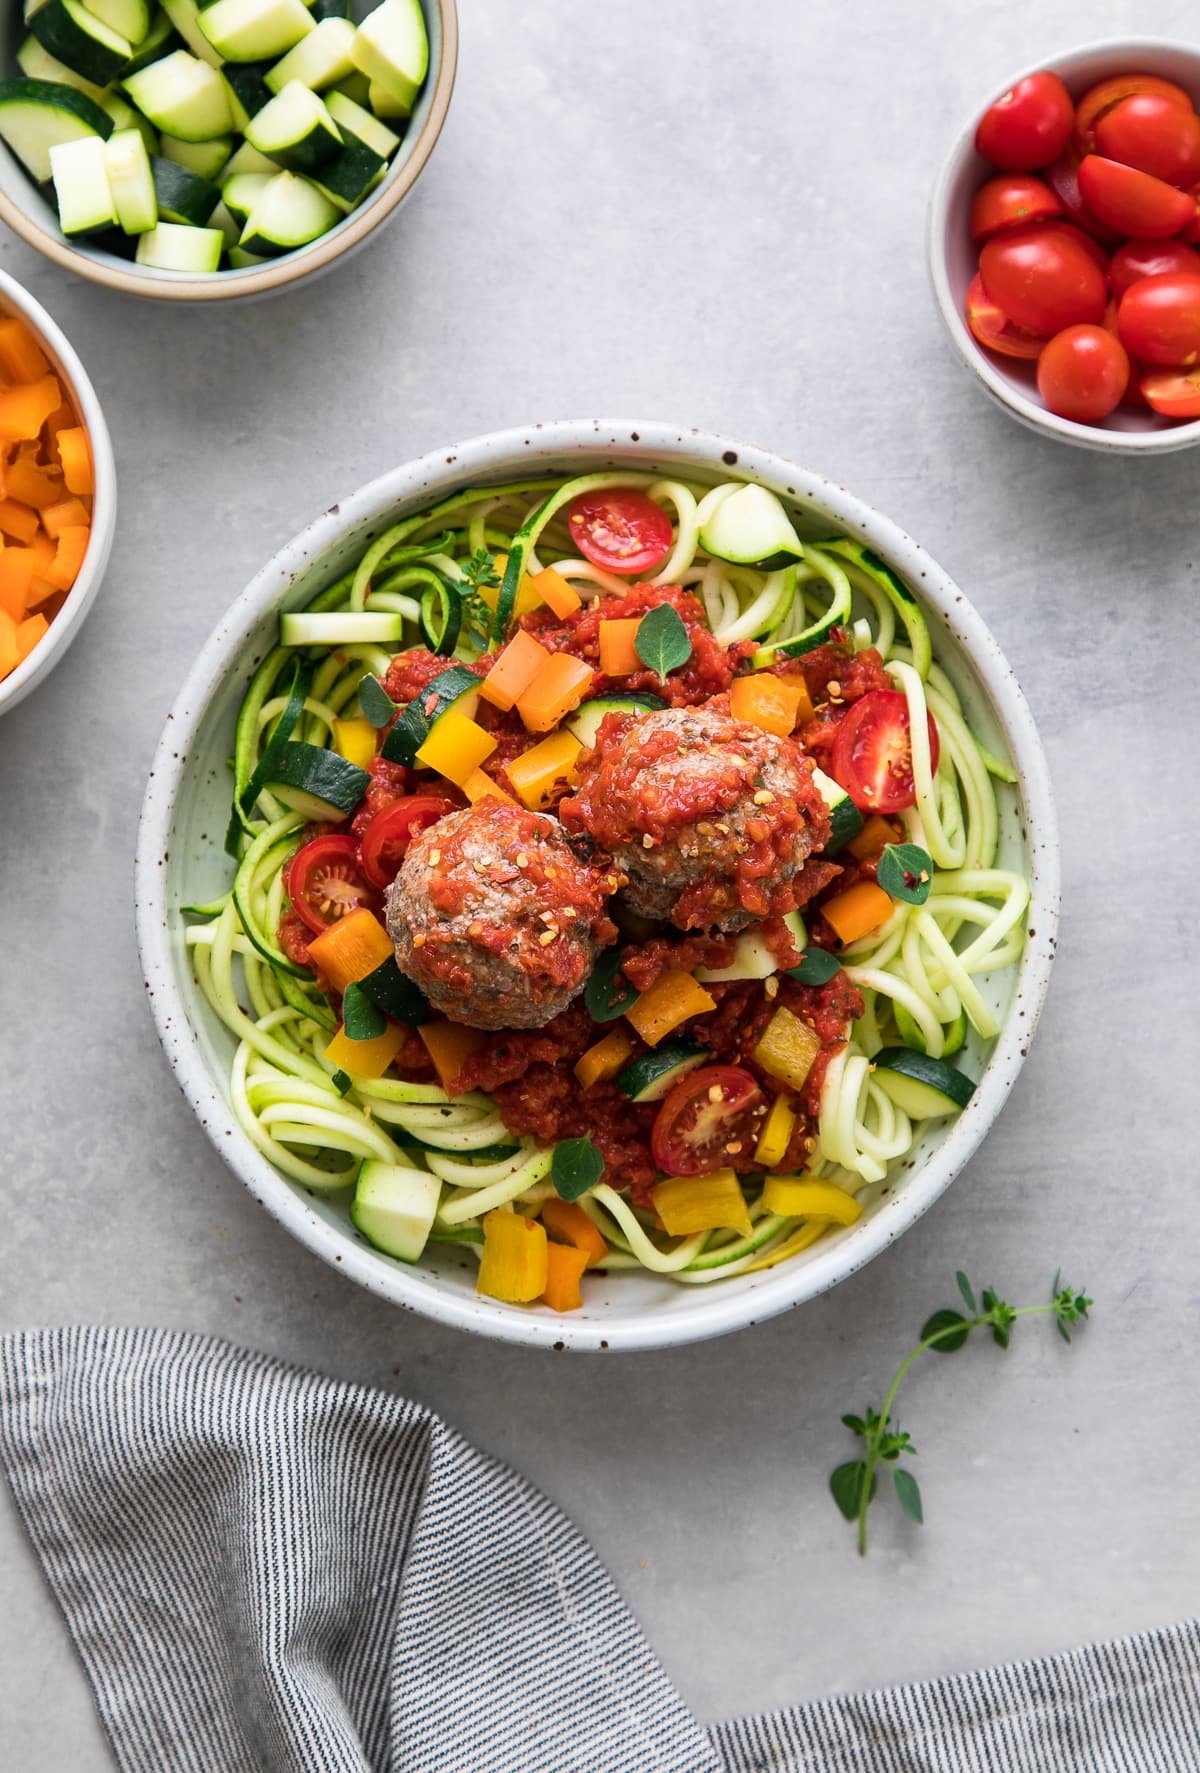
(708, 672)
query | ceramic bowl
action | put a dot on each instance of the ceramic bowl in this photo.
(74, 379)
(29, 209)
(953, 259)
(179, 862)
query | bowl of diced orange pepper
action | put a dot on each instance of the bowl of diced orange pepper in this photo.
(58, 498)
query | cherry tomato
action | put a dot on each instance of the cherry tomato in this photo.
(1149, 258)
(1029, 126)
(387, 837)
(1082, 373)
(1042, 278)
(992, 327)
(621, 530)
(1159, 319)
(1099, 99)
(872, 753)
(1063, 179)
(1155, 135)
(324, 882)
(1007, 201)
(709, 1119)
(1132, 201)
(1192, 230)
(1088, 242)
(1173, 392)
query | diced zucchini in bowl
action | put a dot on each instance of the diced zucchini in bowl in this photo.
(128, 18)
(392, 50)
(85, 201)
(289, 213)
(242, 192)
(254, 30)
(172, 247)
(183, 97)
(318, 60)
(352, 119)
(183, 196)
(38, 64)
(206, 159)
(347, 178)
(295, 129)
(38, 115)
(131, 181)
(73, 34)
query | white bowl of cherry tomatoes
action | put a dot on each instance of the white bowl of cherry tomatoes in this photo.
(1064, 245)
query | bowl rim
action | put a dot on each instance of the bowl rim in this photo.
(1027, 411)
(716, 1311)
(67, 623)
(291, 267)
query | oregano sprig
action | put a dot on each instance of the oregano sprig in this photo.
(855, 1484)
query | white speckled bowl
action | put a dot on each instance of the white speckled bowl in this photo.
(953, 259)
(180, 860)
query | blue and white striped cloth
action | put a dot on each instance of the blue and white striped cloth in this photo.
(265, 1571)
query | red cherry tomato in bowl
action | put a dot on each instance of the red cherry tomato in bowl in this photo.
(872, 753)
(1082, 373)
(1175, 393)
(1028, 126)
(1043, 279)
(1158, 319)
(325, 882)
(620, 529)
(1155, 135)
(1063, 179)
(1149, 258)
(992, 327)
(1102, 97)
(383, 843)
(1009, 200)
(709, 1119)
(1131, 201)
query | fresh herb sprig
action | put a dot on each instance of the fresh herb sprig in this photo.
(479, 573)
(854, 1485)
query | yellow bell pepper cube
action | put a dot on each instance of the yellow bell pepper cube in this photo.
(536, 772)
(776, 1135)
(805, 1197)
(366, 1058)
(456, 747)
(601, 1063)
(673, 999)
(527, 597)
(776, 704)
(787, 1049)
(515, 1263)
(450, 1045)
(351, 948)
(355, 739)
(479, 785)
(687, 1204)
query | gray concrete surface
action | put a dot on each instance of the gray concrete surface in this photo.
(710, 213)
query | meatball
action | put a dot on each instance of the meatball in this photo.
(711, 819)
(495, 917)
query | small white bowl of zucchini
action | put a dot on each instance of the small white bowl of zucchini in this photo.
(205, 149)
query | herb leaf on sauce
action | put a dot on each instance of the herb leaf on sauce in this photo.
(661, 641)
(609, 993)
(360, 1018)
(575, 1167)
(906, 872)
(816, 967)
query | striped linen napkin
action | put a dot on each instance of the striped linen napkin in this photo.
(266, 1571)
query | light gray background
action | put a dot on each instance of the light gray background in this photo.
(713, 214)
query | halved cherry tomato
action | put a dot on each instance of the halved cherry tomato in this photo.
(1192, 230)
(709, 1119)
(1159, 319)
(1131, 201)
(1173, 392)
(1149, 258)
(872, 753)
(992, 327)
(1007, 201)
(1042, 278)
(1101, 98)
(621, 530)
(1083, 373)
(1029, 126)
(325, 883)
(1063, 179)
(387, 837)
(1154, 134)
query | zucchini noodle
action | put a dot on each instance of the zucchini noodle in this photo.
(923, 974)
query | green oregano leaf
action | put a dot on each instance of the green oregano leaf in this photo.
(906, 872)
(661, 641)
(817, 967)
(846, 1484)
(575, 1167)
(908, 1494)
(609, 993)
(945, 1321)
(377, 706)
(968, 1294)
(361, 1019)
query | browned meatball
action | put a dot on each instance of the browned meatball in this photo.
(712, 819)
(495, 917)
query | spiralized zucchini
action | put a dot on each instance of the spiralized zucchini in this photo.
(929, 961)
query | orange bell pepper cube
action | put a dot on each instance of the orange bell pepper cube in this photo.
(560, 685)
(671, 1000)
(564, 1269)
(347, 951)
(366, 1058)
(567, 1221)
(515, 669)
(479, 785)
(874, 838)
(687, 1204)
(766, 701)
(601, 1063)
(68, 557)
(553, 590)
(30, 485)
(29, 632)
(21, 357)
(25, 409)
(74, 452)
(41, 593)
(618, 654)
(857, 911)
(537, 772)
(68, 514)
(10, 652)
(16, 574)
(18, 521)
(450, 1045)
(514, 1266)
